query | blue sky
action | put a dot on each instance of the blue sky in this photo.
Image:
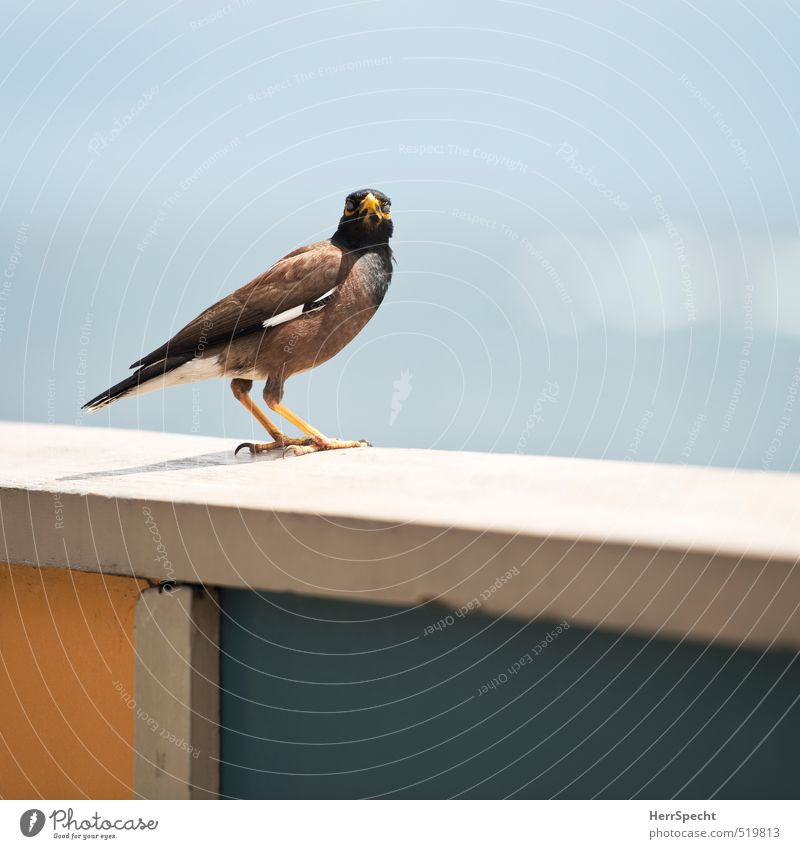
(599, 196)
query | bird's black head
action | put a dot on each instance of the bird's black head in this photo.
(366, 219)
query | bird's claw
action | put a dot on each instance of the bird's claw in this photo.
(263, 447)
(323, 443)
(298, 447)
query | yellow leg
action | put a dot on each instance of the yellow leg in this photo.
(318, 441)
(296, 420)
(280, 439)
(247, 402)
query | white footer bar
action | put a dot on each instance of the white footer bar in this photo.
(389, 824)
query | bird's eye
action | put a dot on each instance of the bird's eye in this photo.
(386, 207)
(350, 205)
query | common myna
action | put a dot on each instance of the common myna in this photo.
(294, 316)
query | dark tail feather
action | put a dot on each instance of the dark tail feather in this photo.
(132, 383)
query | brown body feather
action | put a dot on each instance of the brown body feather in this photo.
(331, 288)
(313, 338)
(300, 277)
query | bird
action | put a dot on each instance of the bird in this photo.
(295, 316)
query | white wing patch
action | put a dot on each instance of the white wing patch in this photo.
(296, 312)
(286, 315)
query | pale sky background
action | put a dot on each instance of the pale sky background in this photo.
(594, 202)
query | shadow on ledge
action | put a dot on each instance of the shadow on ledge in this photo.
(199, 461)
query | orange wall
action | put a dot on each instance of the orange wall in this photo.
(66, 639)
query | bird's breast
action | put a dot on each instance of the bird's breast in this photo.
(315, 337)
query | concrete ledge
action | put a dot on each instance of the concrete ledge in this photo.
(679, 551)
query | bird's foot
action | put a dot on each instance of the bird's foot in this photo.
(282, 444)
(323, 443)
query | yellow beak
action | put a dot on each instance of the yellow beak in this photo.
(371, 206)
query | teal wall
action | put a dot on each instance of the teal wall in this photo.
(325, 699)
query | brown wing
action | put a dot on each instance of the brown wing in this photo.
(301, 276)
